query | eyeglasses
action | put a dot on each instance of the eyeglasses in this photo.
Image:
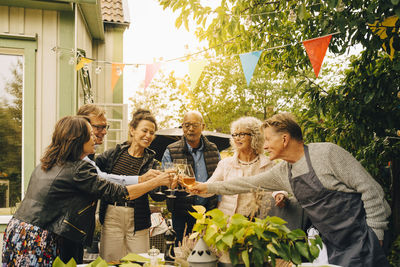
(101, 127)
(194, 125)
(241, 135)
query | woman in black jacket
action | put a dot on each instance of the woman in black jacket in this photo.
(125, 225)
(60, 202)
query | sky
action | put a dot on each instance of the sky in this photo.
(152, 35)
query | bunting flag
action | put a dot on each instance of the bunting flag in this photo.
(380, 30)
(116, 71)
(82, 62)
(195, 70)
(249, 63)
(151, 70)
(316, 50)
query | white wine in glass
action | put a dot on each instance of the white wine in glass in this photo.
(189, 179)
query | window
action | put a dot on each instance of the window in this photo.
(17, 119)
(11, 92)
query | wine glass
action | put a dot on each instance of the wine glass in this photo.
(189, 178)
(180, 166)
(170, 166)
(159, 191)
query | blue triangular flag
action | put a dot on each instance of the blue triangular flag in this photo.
(249, 62)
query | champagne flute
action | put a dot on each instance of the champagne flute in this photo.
(159, 191)
(180, 166)
(170, 166)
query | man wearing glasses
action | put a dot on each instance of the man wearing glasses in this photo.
(203, 156)
(98, 120)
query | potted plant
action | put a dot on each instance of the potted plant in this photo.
(253, 241)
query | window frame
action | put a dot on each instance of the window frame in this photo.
(25, 46)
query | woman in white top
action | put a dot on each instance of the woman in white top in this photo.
(248, 159)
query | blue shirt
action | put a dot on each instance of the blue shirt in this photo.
(118, 179)
(200, 170)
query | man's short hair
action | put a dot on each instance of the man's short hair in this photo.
(91, 109)
(285, 122)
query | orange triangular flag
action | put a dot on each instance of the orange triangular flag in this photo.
(116, 71)
(316, 50)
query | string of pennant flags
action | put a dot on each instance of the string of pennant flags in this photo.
(316, 50)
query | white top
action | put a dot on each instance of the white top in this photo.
(118, 179)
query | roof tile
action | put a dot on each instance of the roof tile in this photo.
(113, 11)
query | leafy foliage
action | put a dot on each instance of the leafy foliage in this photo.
(253, 241)
(261, 25)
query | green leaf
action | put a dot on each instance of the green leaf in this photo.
(295, 255)
(196, 215)
(199, 208)
(302, 248)
(395, 2)
(228, 239)
(210, 232)
(98, 262)
(58, 263)
(135, 257)
(296, 234)
(277, 220)
(368, 97)
(302, 11)
(215, 213)
(314, 251)
(245, 258)
(271, 248)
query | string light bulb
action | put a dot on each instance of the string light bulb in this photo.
(71, 61)
(398, 132)
(292, 16)
(97, 70)
(398, 94)
(86, 67)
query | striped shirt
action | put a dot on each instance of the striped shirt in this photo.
(127, 165)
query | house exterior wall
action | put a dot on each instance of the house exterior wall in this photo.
(109, 50)
(21, 21)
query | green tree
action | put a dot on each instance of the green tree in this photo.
(361, 113)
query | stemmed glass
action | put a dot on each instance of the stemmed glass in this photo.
(159, 191)
(170, 166)
(180, 167)
(189, 178)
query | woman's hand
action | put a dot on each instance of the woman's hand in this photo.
(198, 188)
(280, 200)
(150, 174)
(165, 178)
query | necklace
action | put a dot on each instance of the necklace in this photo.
(249, 162)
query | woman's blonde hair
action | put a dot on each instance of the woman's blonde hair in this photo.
(253, 126)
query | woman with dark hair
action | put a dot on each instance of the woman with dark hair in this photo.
(125, 225)
(58, 208)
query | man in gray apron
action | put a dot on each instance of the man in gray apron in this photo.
(342, 200)
(340, 219)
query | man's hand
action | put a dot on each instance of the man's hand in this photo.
(148, 175)
(198, 188)
(280, 200)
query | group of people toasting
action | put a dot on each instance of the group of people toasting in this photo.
(57, 214)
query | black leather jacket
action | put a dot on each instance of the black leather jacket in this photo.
(63, 200)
